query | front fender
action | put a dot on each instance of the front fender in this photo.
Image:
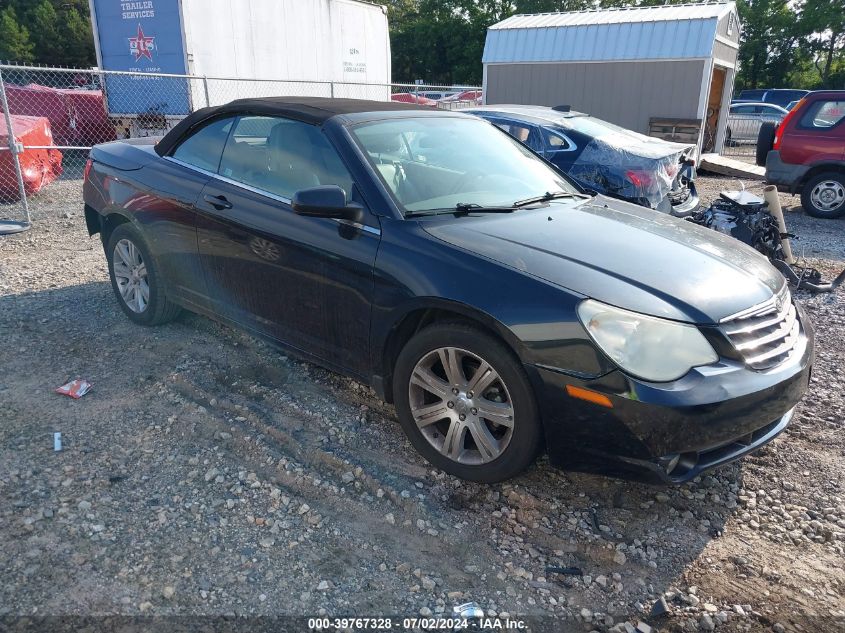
(536, 319)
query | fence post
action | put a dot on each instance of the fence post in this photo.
(13, 147)
(331, 89)
(205, 88)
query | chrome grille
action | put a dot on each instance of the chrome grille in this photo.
(766, 334)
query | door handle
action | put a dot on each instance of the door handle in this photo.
(218, 202)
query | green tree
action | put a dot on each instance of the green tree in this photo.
(77, 39)
(768, 43)
(14, 38)
(442, 41)
(58, 32)
(44, 29)
(823, 25)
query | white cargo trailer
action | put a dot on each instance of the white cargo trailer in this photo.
(240, 48)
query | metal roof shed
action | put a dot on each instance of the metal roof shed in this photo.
(636, 67)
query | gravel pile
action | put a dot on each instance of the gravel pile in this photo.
(206, 473)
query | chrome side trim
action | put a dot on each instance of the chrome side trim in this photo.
(363, 227)
(267, 194)
(236, 183)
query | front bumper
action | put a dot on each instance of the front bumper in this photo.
(785, 176)
(688, 206)
(672, 432)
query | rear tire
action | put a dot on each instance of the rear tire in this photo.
(135, 279)
(765, 142)
(454, 383)
(823, 195)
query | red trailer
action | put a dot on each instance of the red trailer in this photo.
(39, 101)
(88, 118)
(77, 117)
(39, 167)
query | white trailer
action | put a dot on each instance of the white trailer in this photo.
(237, 48)
(307, 41)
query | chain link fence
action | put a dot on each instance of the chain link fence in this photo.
(51, 117)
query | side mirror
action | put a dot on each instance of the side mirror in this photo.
(326, 201)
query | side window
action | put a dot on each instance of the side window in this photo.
(203, 148)
(520, 132)
(523, 132)
(823, 114)
(557, 142)
(743, 110)
(282, 156)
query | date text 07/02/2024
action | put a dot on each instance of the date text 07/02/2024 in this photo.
(414, 623)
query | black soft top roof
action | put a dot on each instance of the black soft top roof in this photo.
(312, 110)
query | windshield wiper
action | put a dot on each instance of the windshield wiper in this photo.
(546, 197)
(472, 207)
(461, 208)
(464, 208)
(419, 214)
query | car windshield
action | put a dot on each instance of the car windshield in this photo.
(435, 164)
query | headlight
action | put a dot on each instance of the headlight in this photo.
(645, 346)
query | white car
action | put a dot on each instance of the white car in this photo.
(745, 119)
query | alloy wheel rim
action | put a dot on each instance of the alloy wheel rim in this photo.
(461, 405)
(130, 273)
(828, 195)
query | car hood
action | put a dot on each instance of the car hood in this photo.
(624, 255)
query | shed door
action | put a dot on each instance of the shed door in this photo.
(714, 105)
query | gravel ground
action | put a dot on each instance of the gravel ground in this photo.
(208, 474)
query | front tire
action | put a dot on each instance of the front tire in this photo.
(465, 403)
(135, 278)
(823, 196)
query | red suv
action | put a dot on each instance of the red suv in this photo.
(808, 153)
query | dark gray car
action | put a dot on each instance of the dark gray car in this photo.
(604, 157)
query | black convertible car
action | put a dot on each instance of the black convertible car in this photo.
(427, 253)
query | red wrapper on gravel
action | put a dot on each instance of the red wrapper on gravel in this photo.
(75, 388)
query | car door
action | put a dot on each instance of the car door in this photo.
(304, 281)
(168, 210)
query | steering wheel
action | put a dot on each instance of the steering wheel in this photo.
(472, 174)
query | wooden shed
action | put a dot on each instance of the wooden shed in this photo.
(665, 70)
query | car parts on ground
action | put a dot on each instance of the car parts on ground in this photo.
(752, 220)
